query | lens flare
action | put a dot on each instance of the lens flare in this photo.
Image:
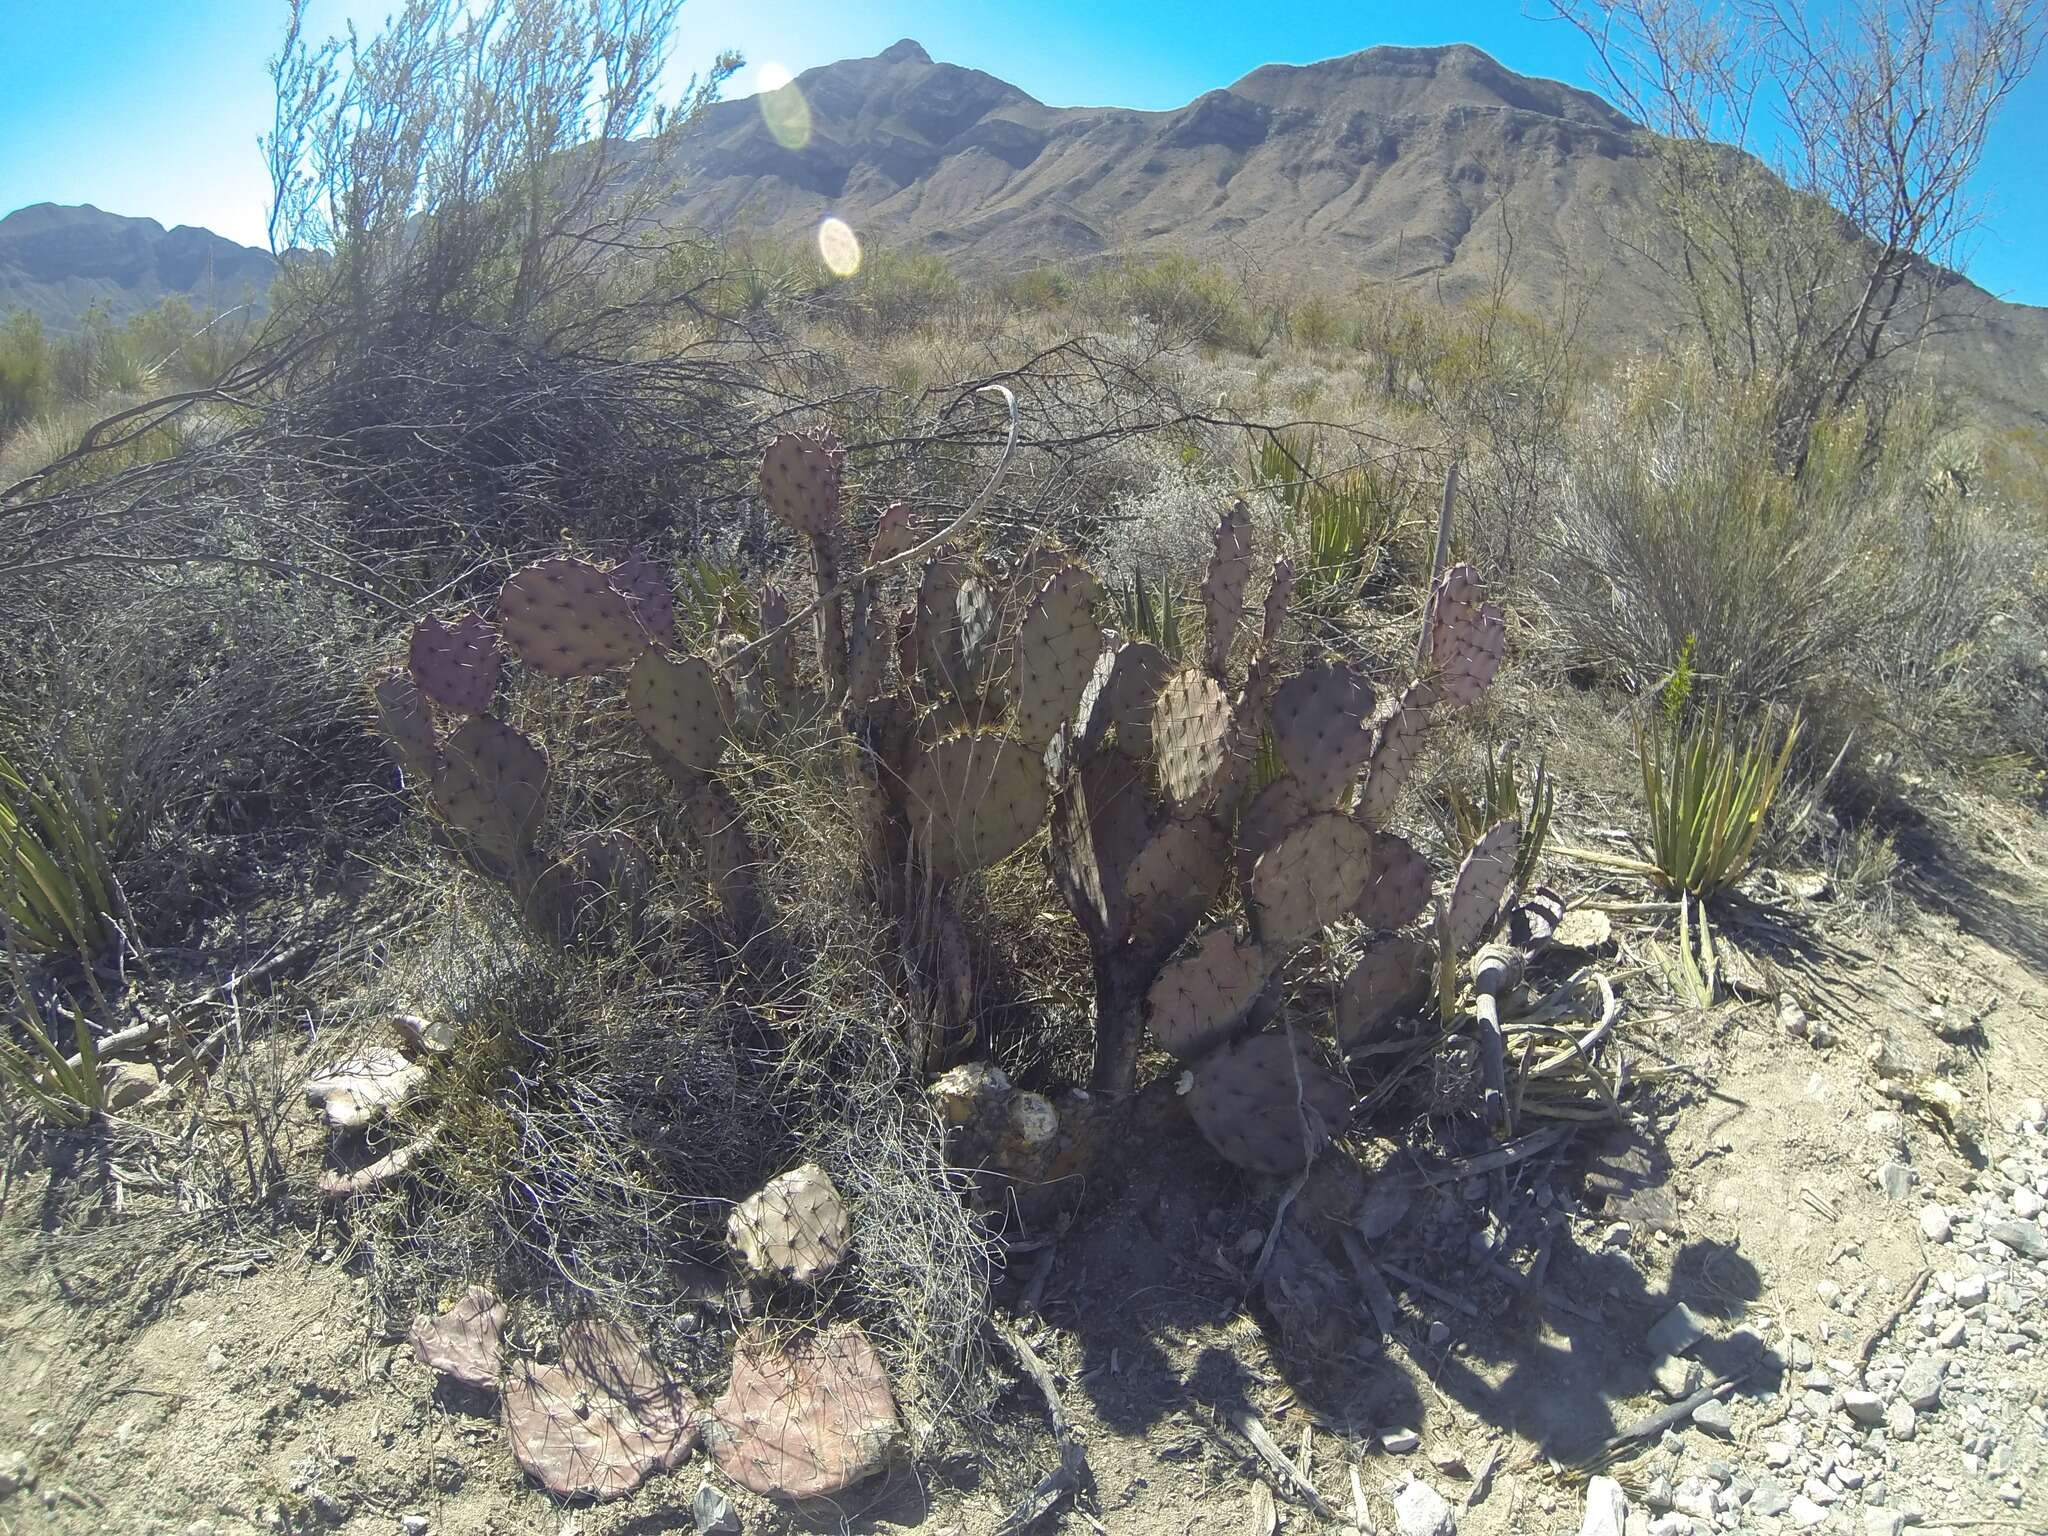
(783, 107)
(840, 247)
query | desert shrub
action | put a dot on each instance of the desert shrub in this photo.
(897, 290)
(1316, 323)
(24, 369)
(1187, 299)
(1679, 528)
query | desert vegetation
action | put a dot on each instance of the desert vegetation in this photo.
(741, 794)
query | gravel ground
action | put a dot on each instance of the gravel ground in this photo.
(1944, 1429)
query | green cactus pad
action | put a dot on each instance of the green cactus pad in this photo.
(563, 617)
(1390, 978)
(1120, 697)
(780, 652)
(1482, 885)
(490, 785)
(1191, 740)
(680, 705)
(1172, 882)
(1199, 999)
(953, 629)
(1057, 646)
(1468, 636)
(1399, 886)
(1395, 752)
(867, 650)
(404, 720)
(894, 533)
(1274, 812)
(455, 664)
(1319, 720)
(1312, 877)
(1268, 1104)
(1278, 595)
(800, 475)
(1100, 823)
(1230, 572)
(974, 798)
(649, 589)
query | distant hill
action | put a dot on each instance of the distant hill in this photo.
(1425, 167)
(1429, 168)
(58, 261)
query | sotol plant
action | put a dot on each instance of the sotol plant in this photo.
(982, 701)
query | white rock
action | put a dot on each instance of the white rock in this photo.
(1971, 1291)
(1419, 1510)
(2025, 1203)
(1606, 1508)
(1677, 1331)
(414, 1525)
(1694, 1496)
(1934, 1223)
(1900, 1420)
(1677, 1377)
(1882, 1522)
(1399, 1442)
(1863, 1407)
(1671, 1523)
(1806, 1514)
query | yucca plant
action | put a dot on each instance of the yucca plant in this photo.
(1343, 520)
(1500, 799)
(39, 1075)
(56, 872)
(1154, 611)
(1707, 793)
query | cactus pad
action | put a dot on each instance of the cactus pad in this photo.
(601, 874)
(455, 664)
(1230, 571)
(1200, 998)
(1392, 976)
(1320, 725)
(1191, 740)
(1172, 881)
(490, 785)
(1100, 822)
(867, 649)
(1278, 596)
(974, 798)
(405, 721)
(1274, 812)
(1468, 636)
(805, 1418)
(894, 533)
(466, 1343)
(1398, 888)
(800, 475)
(780, 654)
(794, 1228)
(680, 705)
(1482, 885)
(1120, 697)
(1310, 878)
(1268, 1104)
(1057, 646)
(602, 1422)
(563, 616)
(649, 590)
(1395, 752)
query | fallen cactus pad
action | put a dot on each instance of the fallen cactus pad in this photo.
(1267, 1103)
(602, 1422)
(794, 1228)
(805, 1418)
(466, 1343)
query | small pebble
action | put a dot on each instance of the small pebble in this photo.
(1934, 1223)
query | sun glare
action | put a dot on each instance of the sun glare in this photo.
(783, 107)
(840, 247)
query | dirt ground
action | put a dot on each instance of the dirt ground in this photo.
(158, 1383)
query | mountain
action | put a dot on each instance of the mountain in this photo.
(58, 261)
(1433, 168)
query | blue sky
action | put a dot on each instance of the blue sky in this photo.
(153, 106)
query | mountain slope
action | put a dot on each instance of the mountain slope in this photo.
(1434, 168)
(57, 262)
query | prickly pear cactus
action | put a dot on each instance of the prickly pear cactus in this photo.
(794, 1228)
(563, 617)
(455, 664)
(1269, 1103)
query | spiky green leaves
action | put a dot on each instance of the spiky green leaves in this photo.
(1198, 1000)
(563, 617)
(974, 798)
(455, 663)
(1468, 636)
(679, 704)
(1482, 885)
(1391, 977)
(800, 476)
(490, 785)
(1057, 645)
(1268, 1104)
(1310, 878)
(1230, 571)
(1191, 740)
(1319, 720)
